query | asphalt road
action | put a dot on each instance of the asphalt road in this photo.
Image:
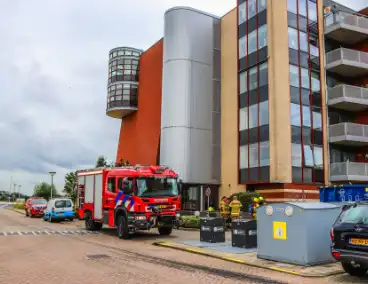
(34, 251)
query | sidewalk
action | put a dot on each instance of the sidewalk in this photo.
(248, 257)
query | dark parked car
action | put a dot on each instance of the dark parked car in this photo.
(349, 237)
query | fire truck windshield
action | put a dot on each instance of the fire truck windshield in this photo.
(156, 187)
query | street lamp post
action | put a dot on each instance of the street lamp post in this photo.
(19, 186)
(52, 182)
(15, 191)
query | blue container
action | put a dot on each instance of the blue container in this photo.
(344, 193)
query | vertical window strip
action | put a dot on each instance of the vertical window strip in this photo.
(248, 98)
(310, 94)
(258, 95)
(300, 89)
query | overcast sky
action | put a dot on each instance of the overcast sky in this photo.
(53, 76)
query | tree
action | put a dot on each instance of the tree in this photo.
(44, 190)
(101, 162)
(70, 186)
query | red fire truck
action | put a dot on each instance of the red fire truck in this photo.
(129, 198)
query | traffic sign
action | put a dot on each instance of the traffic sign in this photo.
(208, 191)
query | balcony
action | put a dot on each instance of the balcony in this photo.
(349, 171)
(349, 98)
(349, 134)
(347, 62)
(346, 28)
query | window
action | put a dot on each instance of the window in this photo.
(262, 36)
(306, 116)
(295, 114)
(261, 5)
(312, 11)
(292, 6)
(242, 47)
(253, 116)
(305, 78)
(253, 156)
(243, 157)
(243, 82)
(63, 203)
(294, 76)
(264, 153)
(317, 120)
(242, 13)
(303, 41)
(111, 185)
(263, 74)
(293, 38)
(355, 215)
(252, 8)
(157, 187)
(296, 155)
(253, 79)
(252, 42)
(263, 113)
(308, 156)
(318, 157)
(303, 7)
(243, 119)
(316, 87)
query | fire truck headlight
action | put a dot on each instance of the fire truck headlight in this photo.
(177, 215)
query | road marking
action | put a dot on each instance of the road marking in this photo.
(49, 233)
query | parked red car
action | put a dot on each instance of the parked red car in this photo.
(35, 206)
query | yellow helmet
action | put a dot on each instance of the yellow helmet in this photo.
(256, 200)
(261, 198)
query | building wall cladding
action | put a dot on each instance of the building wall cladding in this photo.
(140, 132)
(188, 132)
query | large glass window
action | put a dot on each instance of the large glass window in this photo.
(263, 113)
(308, 156)
(243, 157)
(242, 47)
(294, 76)
(262, 5)
(252, 8)
(293, 38)
(291, 6)
(253, 79)
(316, 87)
(243, 118)
(296, 155)
(318, 157)
(264, 153)
(243, 82)
(252, 42)
(253, 116)
(303, 7)
(305, 78)
(312, 11)
(262, 36)
(263, 74)
(242, 13)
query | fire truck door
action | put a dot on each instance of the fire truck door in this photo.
(98, 197)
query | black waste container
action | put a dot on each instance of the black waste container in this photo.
(244, 233)
(212, 230)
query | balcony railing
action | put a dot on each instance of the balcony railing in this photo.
(348, 171)
(350, 134)
(346, 28)
(347, 62)
(347, 97)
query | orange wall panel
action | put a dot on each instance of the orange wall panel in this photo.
(140, 131)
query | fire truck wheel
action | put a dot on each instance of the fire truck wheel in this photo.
(165, 231)
(122, 228)
(89, 224)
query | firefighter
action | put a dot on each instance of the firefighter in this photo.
(235, 206)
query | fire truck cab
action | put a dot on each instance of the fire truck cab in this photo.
(129, 199)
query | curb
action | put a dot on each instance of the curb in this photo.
(12, 209)
(274, 268)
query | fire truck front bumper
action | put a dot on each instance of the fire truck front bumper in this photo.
(140, 222)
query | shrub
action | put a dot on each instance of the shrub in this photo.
(190, 222)
(19, 206)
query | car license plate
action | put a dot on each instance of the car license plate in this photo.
(359, 242)
(162, 206)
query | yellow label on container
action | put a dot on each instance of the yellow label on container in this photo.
(279, 231)
(366, 189)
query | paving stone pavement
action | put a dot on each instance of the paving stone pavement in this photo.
(49, 233)
(103, 258)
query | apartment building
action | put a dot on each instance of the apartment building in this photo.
(269, 97)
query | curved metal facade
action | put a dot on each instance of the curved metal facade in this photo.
(190, 118)
(122, 88)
